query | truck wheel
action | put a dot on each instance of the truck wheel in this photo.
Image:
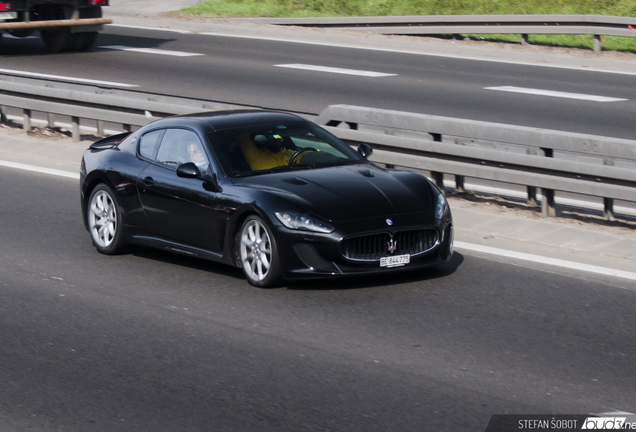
(62, 39)
(56, 40)
(84, 41)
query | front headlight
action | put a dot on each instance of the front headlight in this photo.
(442, 206)
(302, 222)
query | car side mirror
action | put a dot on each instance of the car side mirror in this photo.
(188, 170)
(365, 150)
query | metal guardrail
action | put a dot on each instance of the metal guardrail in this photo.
(490, 151)
(535, 158)
(129, 108)
(596, 25)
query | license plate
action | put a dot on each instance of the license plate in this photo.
(395, 261)
(8, 15)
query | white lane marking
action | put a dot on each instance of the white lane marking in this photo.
(65, 78)
(335, 70)
(460, 245)
(152, 28)
(41, 170)
(390, 50)
(150, 51)
(557, 94)
(545, 260)
(411, 52)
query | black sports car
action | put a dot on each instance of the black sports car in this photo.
(269, 192)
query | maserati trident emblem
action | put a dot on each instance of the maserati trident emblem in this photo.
(392, 244)
(389, 222)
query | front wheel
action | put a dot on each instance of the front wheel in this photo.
(105, 223)
(259, 254)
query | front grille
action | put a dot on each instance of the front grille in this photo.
(376, 246)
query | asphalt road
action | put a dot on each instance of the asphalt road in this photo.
(246, 71)
(157, 342)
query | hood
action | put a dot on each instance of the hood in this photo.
(348, 192)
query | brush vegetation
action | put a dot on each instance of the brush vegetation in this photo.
(335, 8)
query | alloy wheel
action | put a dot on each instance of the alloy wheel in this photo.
(256, 250)
(102, 219)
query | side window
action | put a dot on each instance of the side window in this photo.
(148, 144)
(180, 146)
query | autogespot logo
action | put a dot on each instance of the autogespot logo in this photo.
(604, 423)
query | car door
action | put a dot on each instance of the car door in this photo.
(180, 209)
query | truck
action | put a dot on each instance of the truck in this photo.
(64, 25)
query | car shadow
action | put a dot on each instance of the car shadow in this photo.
(187, 261)
(383, 280)
(326, 284)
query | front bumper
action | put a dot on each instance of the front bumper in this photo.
(313, 256)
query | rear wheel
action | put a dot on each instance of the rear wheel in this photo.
(259, 254)
(105, 222)
(61, 39)
(56, 39)
(84, 41)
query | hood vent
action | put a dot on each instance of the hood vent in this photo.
(296, 181)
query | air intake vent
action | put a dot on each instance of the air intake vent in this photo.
(376, 246)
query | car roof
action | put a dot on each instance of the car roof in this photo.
(229, 119)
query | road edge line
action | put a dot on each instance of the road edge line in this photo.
(545, 260)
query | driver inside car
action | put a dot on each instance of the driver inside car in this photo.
(264, 151)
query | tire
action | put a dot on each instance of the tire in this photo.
(105, 223)
(258, 254)
(57, 40)
(84, 41)
(61, 40)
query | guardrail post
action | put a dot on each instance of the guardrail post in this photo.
(51, 120)
(126, 128)
(608, 212)
(459, 183)
(525, 40)
(100, 128)
(597, 43)
(532, 190)
(3, 116)
(438, 178)
(547, 203)
(75, 121)
(532, 196)
(26, 123)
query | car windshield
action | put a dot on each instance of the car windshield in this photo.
(265, 149)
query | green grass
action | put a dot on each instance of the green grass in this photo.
(334, 8)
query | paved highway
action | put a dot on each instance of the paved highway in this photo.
(267, 73)
(159, 342)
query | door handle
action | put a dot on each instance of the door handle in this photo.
(148, 181)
